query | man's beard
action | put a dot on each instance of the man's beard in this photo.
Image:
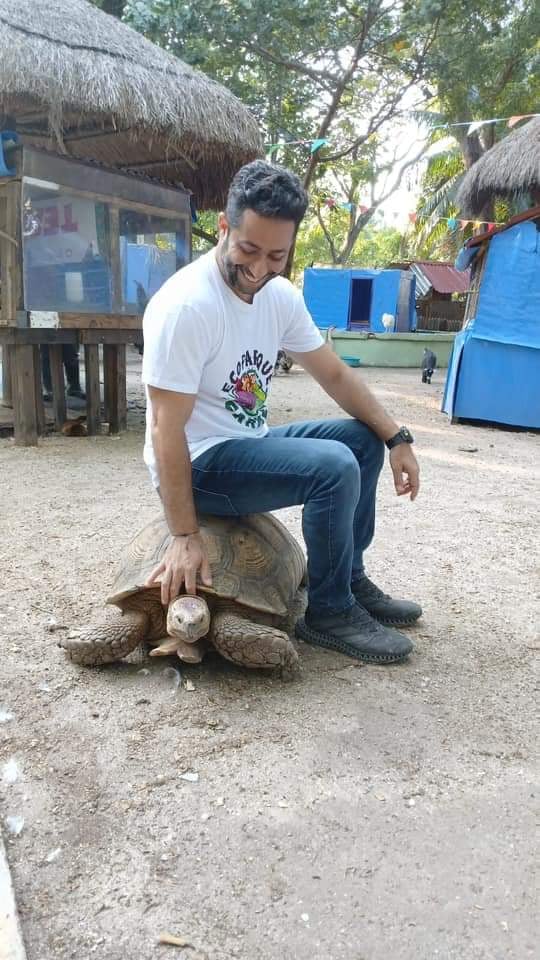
(234, 274)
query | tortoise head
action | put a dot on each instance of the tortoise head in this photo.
(188, 618)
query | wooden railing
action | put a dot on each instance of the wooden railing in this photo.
(440, 315)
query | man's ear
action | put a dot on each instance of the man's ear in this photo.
(223, 225)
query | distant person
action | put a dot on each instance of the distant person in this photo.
(212, 334)
(70, 358)
(429, 363)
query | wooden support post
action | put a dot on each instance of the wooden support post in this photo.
(114, 376)
(58, 385)
(7, 364)
(38, 392)
(24, 395)
(93, 399)
(11, 251)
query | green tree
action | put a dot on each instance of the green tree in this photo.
(376, 246)
(490, 69)
(314, 70)
(114, 7)
(310, 71)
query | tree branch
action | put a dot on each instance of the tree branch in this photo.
(327, 234)
(319, 76)
(209, 237)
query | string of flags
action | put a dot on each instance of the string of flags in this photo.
(332, 203)
(314, 145)
(473, 126)
(459, 224)
(454, 223)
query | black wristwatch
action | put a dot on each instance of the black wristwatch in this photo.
(402, 436)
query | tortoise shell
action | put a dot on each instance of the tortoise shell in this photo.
(254, 561)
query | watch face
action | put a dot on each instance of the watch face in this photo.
(406, 434)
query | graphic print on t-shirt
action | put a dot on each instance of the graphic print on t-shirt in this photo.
(247, 389)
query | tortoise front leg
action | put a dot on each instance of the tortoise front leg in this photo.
(253, 644)
(111, 638)
(188, 652)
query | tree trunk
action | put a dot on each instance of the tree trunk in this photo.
(473, 149)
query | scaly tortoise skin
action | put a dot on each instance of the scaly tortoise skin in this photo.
(258, 569)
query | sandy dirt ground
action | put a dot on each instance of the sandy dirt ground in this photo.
(360, 813)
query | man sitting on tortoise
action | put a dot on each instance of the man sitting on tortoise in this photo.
(212, 334)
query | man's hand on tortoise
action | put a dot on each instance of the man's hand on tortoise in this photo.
(406, 471)
(181, 562)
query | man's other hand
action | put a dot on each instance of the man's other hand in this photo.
(405, 469)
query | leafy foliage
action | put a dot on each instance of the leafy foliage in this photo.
(314, 69)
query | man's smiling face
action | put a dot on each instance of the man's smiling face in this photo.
(252, 253)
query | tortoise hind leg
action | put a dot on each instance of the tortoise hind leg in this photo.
(253, 644)
(112, 638)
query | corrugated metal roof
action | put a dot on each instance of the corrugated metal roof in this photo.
(443, 277)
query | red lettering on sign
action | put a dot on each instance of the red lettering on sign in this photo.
(49, 220)
(69, 225)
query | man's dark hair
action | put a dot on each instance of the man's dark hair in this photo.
(268, 190)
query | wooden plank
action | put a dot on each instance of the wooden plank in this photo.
(58, 385)
(10, 252)
(38, 392)
(11, 942)
(101, 321)
(114, 370)
(121, 375)
(110, 336)
(93, 398)
(24, 395)
(7, 365)
(99, 182)
(35, 335)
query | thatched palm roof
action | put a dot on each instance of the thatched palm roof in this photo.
(78, 80)
(511, 168)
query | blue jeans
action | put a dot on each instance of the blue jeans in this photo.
(329, 466)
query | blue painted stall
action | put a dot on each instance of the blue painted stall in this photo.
(494, 369)
(356, 299)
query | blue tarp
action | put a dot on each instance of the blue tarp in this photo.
(509, 303)
(347, 298)
(494, 370)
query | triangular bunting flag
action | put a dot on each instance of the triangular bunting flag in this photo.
(513, 120)
(317, 144)
(476, 126)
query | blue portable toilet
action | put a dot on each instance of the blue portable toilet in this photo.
(494, 368)
(356, 299)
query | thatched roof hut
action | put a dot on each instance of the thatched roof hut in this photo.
(78, 81)
(509, 170)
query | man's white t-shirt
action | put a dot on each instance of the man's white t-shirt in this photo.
(200, 338)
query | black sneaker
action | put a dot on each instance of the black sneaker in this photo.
(76, 392)
(393, 613)
(356, 634)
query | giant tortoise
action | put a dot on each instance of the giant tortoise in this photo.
(258, 570)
